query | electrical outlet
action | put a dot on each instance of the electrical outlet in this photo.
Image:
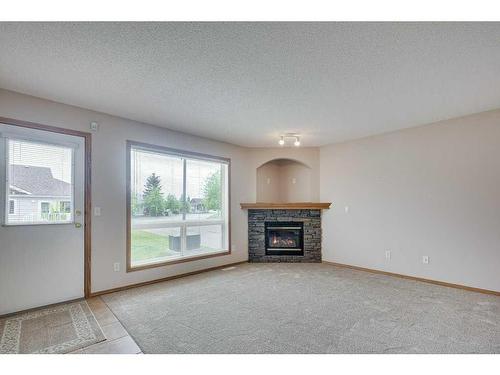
(94, 126)
(388, 254)
(116, 267)
(97, 211)
(425, 259)
(346, 209)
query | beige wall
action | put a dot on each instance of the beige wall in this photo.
(432, 190)
(284, 180)
(108, 184)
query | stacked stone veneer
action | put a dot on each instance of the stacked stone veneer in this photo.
(312, 234)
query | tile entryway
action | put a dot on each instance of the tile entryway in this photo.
(81, 327)
(118, 341)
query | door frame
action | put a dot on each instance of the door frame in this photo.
(87, 259)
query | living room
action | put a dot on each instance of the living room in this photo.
(250, 187)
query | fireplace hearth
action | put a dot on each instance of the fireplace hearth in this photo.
(284, 238)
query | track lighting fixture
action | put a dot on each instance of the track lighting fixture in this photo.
(283, 137)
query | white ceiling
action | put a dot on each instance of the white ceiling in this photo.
(246, 83)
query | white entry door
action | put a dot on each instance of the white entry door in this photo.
(42, 218)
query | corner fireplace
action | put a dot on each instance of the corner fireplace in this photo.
(284, 238)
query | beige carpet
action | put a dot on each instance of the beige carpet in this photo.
(306, 308)
(58, 329)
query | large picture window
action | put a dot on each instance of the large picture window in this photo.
(178, 206)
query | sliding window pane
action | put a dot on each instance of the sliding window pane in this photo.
(39, 183)
(156, 205)
(205, 186)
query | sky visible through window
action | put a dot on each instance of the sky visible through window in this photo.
(170, 170)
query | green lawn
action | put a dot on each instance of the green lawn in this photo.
(146, 245)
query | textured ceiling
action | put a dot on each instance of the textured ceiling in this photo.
(246, 83)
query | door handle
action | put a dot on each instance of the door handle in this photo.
(78, 225)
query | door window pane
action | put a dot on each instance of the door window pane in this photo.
(39, 179)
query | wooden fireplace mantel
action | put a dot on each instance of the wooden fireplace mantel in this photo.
(286, 206)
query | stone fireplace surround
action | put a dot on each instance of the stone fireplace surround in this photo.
(312, 234)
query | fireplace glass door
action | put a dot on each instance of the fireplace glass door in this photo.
(284, 238)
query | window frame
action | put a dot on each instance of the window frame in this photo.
(44, 204)
(41, 140)
(62, 205)
(185, 154)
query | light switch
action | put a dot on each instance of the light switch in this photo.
(97, 211)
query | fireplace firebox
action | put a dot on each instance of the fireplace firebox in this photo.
(284, 238)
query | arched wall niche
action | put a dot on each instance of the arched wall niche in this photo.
(284, 180)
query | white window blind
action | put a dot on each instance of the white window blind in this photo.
(39, 183)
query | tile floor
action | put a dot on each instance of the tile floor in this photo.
(118, 341)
